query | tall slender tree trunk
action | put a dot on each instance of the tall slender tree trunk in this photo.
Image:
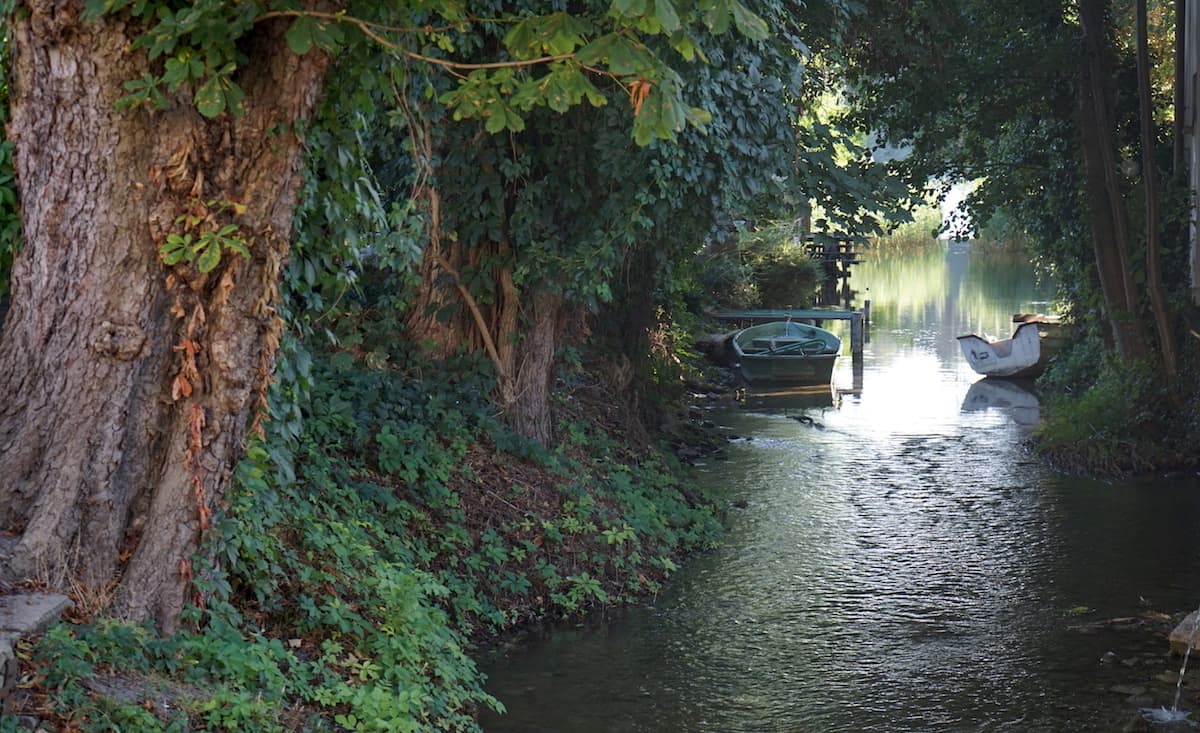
(1177, 149)
(1106, 210)
(1154, 284)
(126, 385)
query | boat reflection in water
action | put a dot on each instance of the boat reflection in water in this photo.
(1015, 397)
(796, 398)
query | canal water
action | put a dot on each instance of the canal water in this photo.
(895, 561)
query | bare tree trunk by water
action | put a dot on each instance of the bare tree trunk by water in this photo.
(1178, 102)
(1154, 285)
(1110, 230)
(127, 384)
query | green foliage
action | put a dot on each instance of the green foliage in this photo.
(1114, 427)
(1112, 410)
(916, 75)
(361, 550)
(204, 239)
(197, 45)
(619, 45)
(768, 269)
(547, 58)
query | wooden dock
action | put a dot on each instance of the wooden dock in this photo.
(860, 320)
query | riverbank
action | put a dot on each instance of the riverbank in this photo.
(360, 567)
(1115, 421)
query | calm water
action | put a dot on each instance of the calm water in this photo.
(904, 565)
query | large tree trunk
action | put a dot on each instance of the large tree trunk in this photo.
(1154, 283)
(126, 385)
(1110, 230)
(518, 333)
(525, 394)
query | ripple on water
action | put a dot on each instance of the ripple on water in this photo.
(905, 569)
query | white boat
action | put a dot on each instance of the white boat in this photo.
(1026, 354)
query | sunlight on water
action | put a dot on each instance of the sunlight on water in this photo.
(1163, 716)
(896, 561)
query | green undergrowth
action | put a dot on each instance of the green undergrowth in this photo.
(1125, 422)
(360, 561)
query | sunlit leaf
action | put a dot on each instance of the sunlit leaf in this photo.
(210, 98)
(209, 258)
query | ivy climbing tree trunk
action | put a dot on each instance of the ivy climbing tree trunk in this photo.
(518, 332)
(126, 385)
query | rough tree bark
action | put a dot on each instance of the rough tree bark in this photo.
(125, 385)
(518, 332)
(1110, 230)
(525, 395)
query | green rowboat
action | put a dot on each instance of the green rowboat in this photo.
(786, 352)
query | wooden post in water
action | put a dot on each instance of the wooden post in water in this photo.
(856, 335)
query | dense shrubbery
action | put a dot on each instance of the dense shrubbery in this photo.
(1108, 419)
(359, 560)
(767, 269)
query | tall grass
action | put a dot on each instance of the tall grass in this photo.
(999, 235)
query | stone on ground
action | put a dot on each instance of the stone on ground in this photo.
(1186, 634)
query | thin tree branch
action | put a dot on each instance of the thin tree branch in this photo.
(374, 31)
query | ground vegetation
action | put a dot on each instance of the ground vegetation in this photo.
(358, 335)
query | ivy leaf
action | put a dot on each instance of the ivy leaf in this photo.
(750, 25)
(210, 98)
(209, 258)
(664, 11)
(300, 35)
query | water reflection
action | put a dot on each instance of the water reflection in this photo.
(798, 399)
(905, 566)
(942, 292)
(1015, 397)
